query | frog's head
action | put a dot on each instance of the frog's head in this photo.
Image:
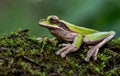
(50, 22)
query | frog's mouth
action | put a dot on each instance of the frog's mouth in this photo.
(47, 24)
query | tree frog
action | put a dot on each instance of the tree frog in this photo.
(75, 35)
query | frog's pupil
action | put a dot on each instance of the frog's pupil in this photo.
(52, 20)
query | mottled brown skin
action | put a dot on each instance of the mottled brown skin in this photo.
(60, 33)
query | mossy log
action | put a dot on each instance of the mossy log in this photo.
(22, 55)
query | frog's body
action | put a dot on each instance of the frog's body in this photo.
(69, 32)
(80, 30)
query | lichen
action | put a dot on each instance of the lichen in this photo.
(22, 55)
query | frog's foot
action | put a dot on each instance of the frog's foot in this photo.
(65, 50)
(94, 50)
(92, 53)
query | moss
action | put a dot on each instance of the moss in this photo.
(22, 55)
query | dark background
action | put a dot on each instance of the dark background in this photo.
(102, 15)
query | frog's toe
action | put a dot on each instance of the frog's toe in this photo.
(95, 54)
(65, 50)
(70, 49)
(87, 59)
(63, 55)
(95, 58)
(61, 50)
(89, 54)
(64, 45)
(92, 53)
(57, 52)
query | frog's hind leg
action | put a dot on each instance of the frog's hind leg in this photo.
(94, 50)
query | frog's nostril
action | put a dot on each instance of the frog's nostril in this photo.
(42, 20)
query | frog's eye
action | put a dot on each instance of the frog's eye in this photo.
(53, 19)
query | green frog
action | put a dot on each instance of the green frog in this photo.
(75, 36)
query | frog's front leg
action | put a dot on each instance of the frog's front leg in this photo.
(70, 47)
(99, 39)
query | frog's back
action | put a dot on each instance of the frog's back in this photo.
(81, 30)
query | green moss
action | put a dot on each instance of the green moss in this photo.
(22, 55)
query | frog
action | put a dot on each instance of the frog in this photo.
(75, 36)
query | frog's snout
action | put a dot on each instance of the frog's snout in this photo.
(42, 20)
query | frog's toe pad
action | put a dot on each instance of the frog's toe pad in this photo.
(57, 52)
(87, 59)
(63, 55)
(95, 58)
